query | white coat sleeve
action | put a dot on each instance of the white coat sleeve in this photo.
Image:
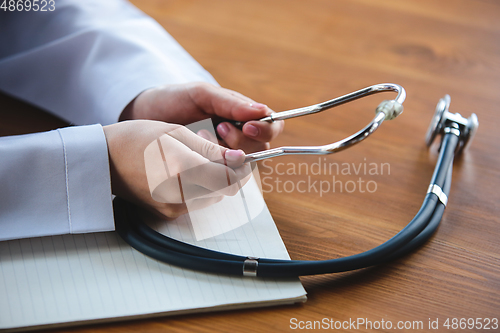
(86, 60)
(55, 183)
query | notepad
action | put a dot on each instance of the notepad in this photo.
(97, 277)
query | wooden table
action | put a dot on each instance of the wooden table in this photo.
(289, 54)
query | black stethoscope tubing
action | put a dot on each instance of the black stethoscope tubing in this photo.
(146, 240)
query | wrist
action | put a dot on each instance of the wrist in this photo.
(128, 111)
(137, 108)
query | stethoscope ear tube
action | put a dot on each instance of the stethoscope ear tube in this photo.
(144, 239)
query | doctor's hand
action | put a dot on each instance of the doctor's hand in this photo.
(187, 103)
(168, 169)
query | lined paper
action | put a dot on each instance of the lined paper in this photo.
(229, 214)
(71, 279)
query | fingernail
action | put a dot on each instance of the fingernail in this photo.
(258, 106)
(233, 156)
(223, 129)
(251, 130)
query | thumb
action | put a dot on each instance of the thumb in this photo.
(228, 104)
(208, 149)
(233, 158)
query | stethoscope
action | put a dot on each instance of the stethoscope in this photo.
(456, 131)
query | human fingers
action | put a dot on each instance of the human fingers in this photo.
(234, 138)
(204, 144)
(226, 103)
(199, 144)
(177, 174)
(233, 158)
(195, 161)
(263, 131)
(205, 134)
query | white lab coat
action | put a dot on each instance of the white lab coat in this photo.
(84, 62)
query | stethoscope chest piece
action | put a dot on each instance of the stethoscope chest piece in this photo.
(444, 121)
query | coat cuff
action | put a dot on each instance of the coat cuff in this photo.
(88, 185)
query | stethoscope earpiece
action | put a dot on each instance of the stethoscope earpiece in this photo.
(387, 110)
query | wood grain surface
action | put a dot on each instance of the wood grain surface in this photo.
(289, 54)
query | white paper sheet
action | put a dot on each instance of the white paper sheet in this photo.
(98, 277)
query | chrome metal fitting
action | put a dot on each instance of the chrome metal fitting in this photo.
(390, 108)
(433, 188)
(250, 266)
(446, 122)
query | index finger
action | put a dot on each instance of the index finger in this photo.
(228, 104)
